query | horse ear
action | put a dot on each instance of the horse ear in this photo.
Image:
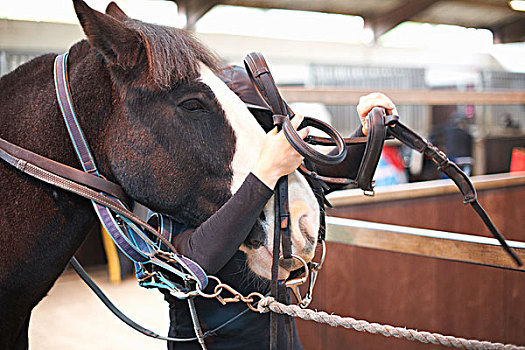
(116, 12)
(118, 43)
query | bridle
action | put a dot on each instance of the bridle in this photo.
(262, 79)
(381, 126)
(128, 230)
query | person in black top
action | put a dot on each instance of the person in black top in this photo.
(231, 224)
(458, 142)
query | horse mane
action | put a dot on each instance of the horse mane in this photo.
(173, 54)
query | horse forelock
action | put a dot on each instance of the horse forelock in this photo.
(173, 54)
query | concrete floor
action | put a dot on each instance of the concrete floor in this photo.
(72, 317)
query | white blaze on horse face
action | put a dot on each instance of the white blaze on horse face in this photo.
(304, 213)
(304, 209)
(249, 135)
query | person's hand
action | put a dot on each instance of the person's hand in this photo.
(277, 157)
(368, 102)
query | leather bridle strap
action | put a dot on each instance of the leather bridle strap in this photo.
(262, 79)
(86, 158)
(260, 73)
(92, 181)
(462, 181)
(374, 147)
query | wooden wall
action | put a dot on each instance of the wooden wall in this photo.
(496, 147)
(446, 297)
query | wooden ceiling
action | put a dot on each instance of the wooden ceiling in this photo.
(383, 15)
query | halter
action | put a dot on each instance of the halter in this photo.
(127, 235)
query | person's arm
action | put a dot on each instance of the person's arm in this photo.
(216, 240)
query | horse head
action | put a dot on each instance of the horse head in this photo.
(177, 139)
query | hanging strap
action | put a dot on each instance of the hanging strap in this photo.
(462, 181)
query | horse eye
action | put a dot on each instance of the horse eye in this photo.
(192, 105)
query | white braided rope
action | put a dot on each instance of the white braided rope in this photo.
(269, 304)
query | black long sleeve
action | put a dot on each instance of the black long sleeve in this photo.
(216, 240)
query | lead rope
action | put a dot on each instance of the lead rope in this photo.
(267, 304)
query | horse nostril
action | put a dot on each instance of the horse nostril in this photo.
(304, 225)
(256, 237)
(255, 242)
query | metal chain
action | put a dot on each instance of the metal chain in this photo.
(267, 304)
(250, 299)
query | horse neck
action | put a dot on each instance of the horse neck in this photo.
(29, 113)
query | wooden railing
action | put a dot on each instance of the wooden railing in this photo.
(348, 96)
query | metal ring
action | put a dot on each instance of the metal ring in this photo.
(323, 256)
(210, 296)
(301, 280)
(251, 305)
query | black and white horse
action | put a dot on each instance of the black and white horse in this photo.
(159, 122)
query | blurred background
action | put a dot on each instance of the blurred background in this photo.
(456, 71)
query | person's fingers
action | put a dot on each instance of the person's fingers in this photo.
(303, 132)
(377, 99)
(365, 108)
(365, 126)
(375, 96)
(273, 132)
(297, 120)
(394, 111)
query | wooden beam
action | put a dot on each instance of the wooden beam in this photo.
(422, 242)
(348, 96)
(424, 189)
(193, 10)
(404, 12)
(510, 32)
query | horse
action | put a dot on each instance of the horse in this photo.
(160, 123)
